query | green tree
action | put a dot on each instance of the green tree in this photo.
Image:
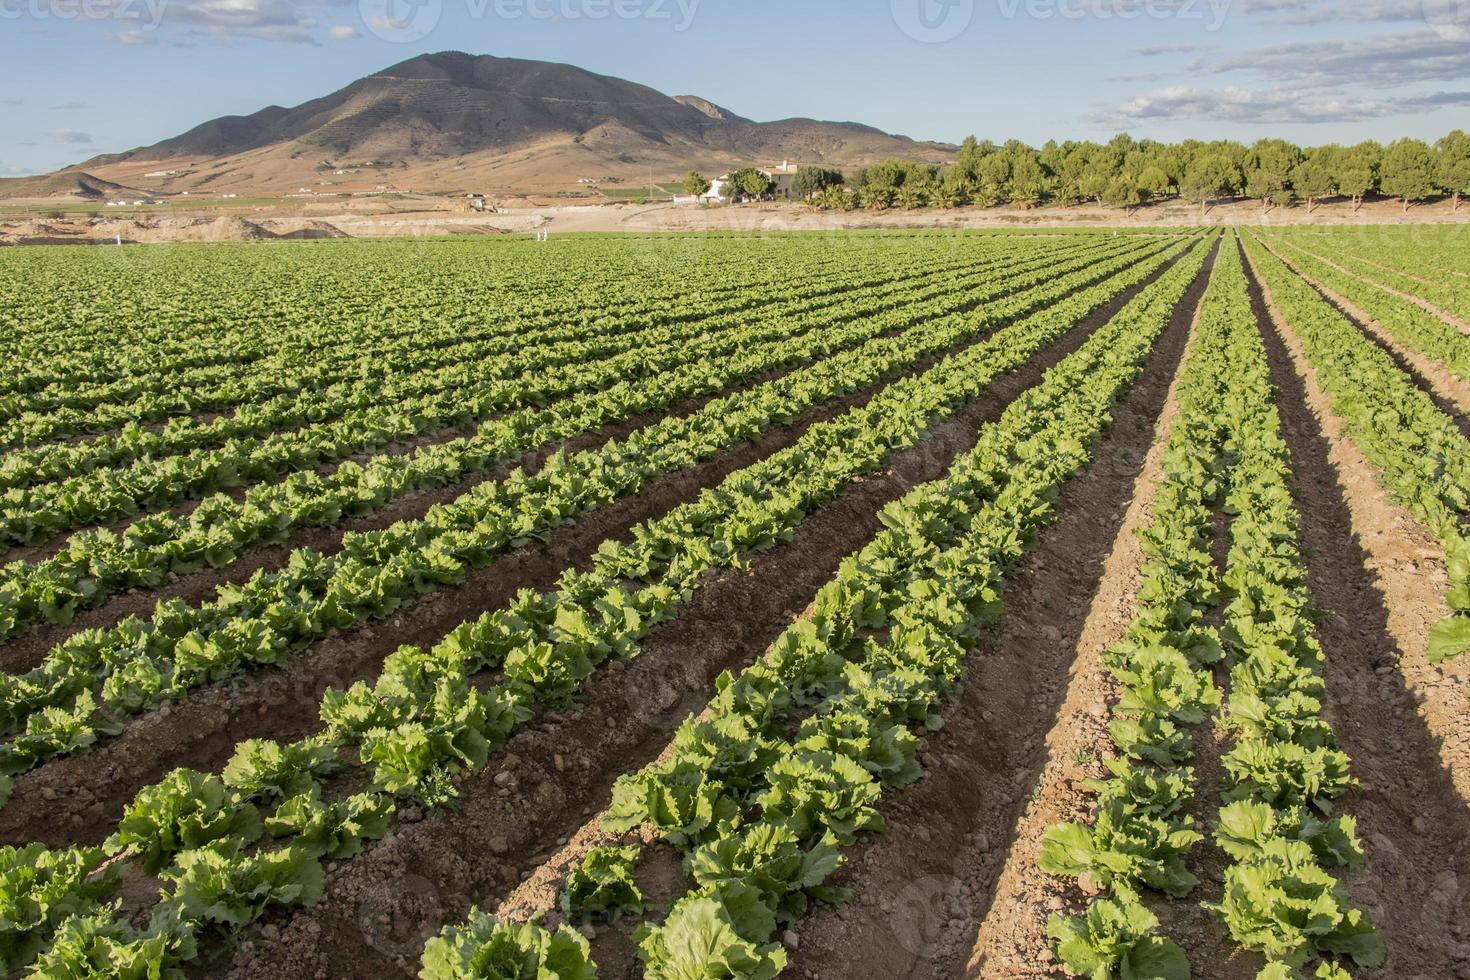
(1153, 182)
(1028, 183)
(878, 197)
(750, 183)
(947, 194)
(1454, 164)
(1355, 171)
(913, 194)
(696, 184)
(1410, 171)
(1312, 180)
(837, 199)
(1268, 169)
(1123, 193)
(957, 186)
(814, 180)
(995, 178)
(1068, 166)
(971, 153)
(1209, 176)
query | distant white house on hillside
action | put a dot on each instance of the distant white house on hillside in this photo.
(782, 178)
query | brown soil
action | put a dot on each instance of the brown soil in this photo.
(537, 794)
(201, 730)
(923, 890)
(1378, 579)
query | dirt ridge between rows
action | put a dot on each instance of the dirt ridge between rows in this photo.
(1413, 823)
(567, 763)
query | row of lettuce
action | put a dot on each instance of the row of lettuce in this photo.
(63, 486)
(96, 565)
(1281, 766)
(1404, 321)
(762, 791)
(228, 846)
(1419, 455)
(85, 329)
(1426, 266)
(90, 684)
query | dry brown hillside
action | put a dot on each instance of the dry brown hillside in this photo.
(453, 121)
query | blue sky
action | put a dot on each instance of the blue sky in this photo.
(81, 77)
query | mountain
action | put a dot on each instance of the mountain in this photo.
(453, 121)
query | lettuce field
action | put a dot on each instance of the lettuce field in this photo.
(927, 605)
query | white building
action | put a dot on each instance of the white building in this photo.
(782, 179)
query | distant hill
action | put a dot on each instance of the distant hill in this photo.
(451, 120)
(74, 184)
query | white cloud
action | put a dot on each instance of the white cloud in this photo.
(1282, 106)
(344, 32)
(1304, 12)
(73, 136)
(1395, 59)
(220, 20)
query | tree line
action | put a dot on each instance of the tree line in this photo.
(1129, 173)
